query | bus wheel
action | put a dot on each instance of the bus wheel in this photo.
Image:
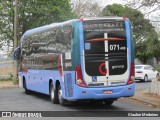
(53, 94)
(25, 87)
(61, 100)
(108, 102)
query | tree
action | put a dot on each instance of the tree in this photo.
(141, 52)
(87, 8)
(32, 13)
(150, 9)
(141, 26)
(151, 5)
(154, 45)
(148, 48)
(6, 23)
(35, 13)
(143, 31)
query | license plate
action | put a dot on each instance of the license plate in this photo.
(107, 91)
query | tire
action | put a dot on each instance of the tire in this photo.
(108, 102)
(25, 87)
(145, 78)
(157, 75)
(53, 94)
(95, 102)
(61, 100)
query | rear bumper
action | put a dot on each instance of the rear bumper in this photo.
(139, 76)
(81, 93)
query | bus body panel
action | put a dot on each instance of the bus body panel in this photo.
(72, 92)
(42, 85)
(96, 93)
(75, 51)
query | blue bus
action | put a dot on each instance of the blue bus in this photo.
(80, 59)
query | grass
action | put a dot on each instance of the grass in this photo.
(15, 81)
(9, 77)
(5, 79)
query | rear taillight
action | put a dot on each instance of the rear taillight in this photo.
(79, 78)
(124, 18)
(132, 74)
(81, 19)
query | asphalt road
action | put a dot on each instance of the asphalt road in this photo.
(14, 99)
(142, 85)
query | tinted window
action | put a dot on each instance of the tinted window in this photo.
(41, 51)
(95, 33)
(138, 67)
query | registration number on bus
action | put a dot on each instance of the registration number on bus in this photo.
(107, 91)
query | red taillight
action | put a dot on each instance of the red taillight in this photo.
(81, 19)
(79, 78)
(132, 73)
(124, 18)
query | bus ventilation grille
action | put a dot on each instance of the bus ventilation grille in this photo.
(68, 85)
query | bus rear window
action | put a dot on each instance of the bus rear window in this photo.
(105, 43)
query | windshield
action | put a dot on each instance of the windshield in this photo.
(138, 67)
(105, 40)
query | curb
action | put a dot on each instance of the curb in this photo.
(9, 87)
(145, 102)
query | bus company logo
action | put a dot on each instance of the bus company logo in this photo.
(94, 78)
(6, 114)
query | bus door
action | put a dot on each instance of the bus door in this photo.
(66, 81)
(105, 53)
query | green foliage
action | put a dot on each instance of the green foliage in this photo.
(4, 79)
(6, 21)
(141, 26)
(32, 13)
(15, 81)
(145, 37)
(41, 12)
(8, 77)
(141, 53)
(158, 68)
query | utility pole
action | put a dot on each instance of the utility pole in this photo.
(15, 42)
(16, 24)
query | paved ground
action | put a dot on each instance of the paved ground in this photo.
(141, 94)
(14, 99)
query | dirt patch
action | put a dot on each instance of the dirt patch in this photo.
(148, 98)
(152, 95)
(7, 84)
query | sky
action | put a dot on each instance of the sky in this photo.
(152, 16)
(106, 2)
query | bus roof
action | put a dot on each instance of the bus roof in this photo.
(41, 29)
(101, 18)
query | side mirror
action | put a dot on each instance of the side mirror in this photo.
(17, 53)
